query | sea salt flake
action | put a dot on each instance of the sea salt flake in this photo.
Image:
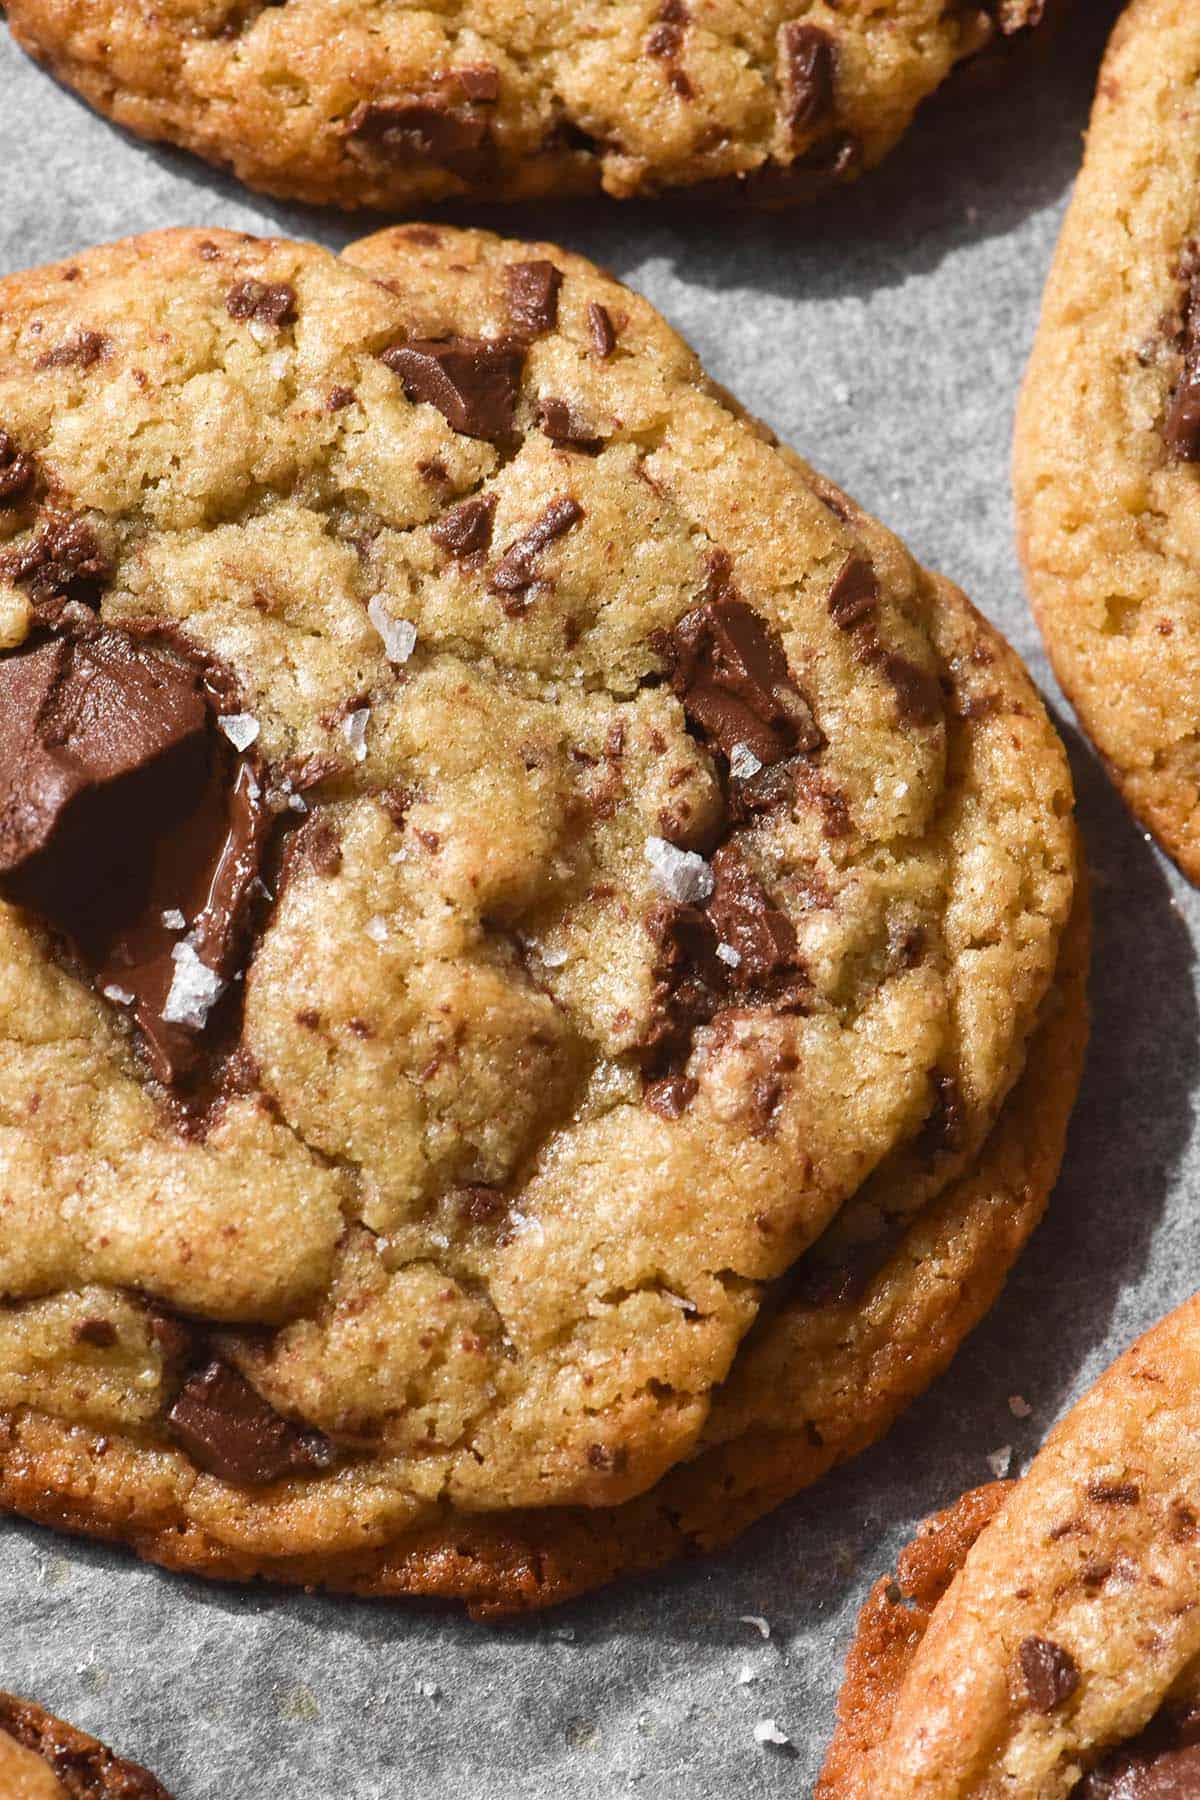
(554, 959)
(743, 763)
(354, 730)
(399, 635)
(759, 1623)
(1018, 1406)
(297, 803)
(727, 954)
(279, 365)
(682, 874)
(1000, 1461)
(174, 920)
(240, 728)
(260, 332)
(195, 990)
(377, 930)
(746, 1675)
(766, 1731)
(428, 1690)
(118, 995)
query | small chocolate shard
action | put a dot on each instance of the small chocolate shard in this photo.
(517, 568)
(18, 471)
(671, 1096)
(438, 126)
(473, 382)
(339, 397)
(810, 69)
(270, 303)
(945, 1128)
(729, 669)
(100, 1334)
(228, 1429)
(1114, 1493)
(601, 330)
(665, 39)
(854, 596)
(321, 846)
(64, 561)
(918, 694)
(746, 922)
(563, 426)
(80, 350)
(1049, 1672)
(533, 289)
(467, 527)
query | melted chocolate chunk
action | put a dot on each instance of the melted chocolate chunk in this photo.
(1181, 428)
(918, 695)
(65, 561)
(432, 127)
(78, 351)
(810, 73)
(517, 568)
(946, 1126)
(272, 304)
(18, 471)
(729, 669)
(1161, 1763)
(671, 1097)
(84, 1768)
(227, 1427)
(467, 527)
(563, 425)
(473, 382)
(533, 296)
(1049, 1672)
(854, 596)
(601, 329)
(746, 922)
(120, 802)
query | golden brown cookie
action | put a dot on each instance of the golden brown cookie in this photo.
(1108, 431)
(337, 101)
(1040, 1638)
(516, 979)
(43, 1759)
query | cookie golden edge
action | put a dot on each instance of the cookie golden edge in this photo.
(1093, 1553)
(34, 1745)
(1089, 464)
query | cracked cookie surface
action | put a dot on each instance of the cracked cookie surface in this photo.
(1108, 431)
(548, 906)
(1040, 1638)
(43, 1759)
(394, 106)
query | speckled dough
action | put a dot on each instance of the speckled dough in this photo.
(1108, 488)
(448, 1217)
(43, 1759)
(1042, 1638)
(392, 105)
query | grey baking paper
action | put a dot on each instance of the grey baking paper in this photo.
(885, 339)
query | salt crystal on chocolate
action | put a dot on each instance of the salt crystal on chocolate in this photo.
(682, 874)
(174, 920)
(743, 763)
(399, 635)
(118, 995)
(728, 955)
(195, 990)
(240, 728)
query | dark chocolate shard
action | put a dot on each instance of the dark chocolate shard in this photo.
(729, 669)
(854, 596)
(64, 561)
(18, 471)
(473, 382)
(79, 350)
(746, 922)
(123, 807)
(1050, 1674)
(918, 694)
(564, 426)
(1181, 427)
(533, 289)
(601, 329)
(810, 68)
(1161, 1763)
(945, 1127)
(671, 1096)
(227, 1428)
(270, 303)
(517, 568)
(434, 127)
(467, 527)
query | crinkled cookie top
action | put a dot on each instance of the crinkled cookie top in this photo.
(487, 881)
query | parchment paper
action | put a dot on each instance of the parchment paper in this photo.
(885, 338)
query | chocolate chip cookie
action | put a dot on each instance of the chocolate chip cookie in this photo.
(1108, 435)
(43, 1759)
(1040, 1638)
(541, 957)
(334, 101)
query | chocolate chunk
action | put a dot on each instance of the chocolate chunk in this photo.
(480, 82)
(78, 351)
(1049, 1672)
(65, 561)
(665, 40)
(918, 695)
(854, 596)
(601, 329)
(119, 802)
(18, 471)
(429, 127)
(339, 397)
(671, 1097)
(809, 55)
(227, 1427)
(320, 844)
(482, 1205)
(1181, 428)
(746, 922)
(729, 669)
(563, 425)
(946, 1126)
(100, 1333)
(533, 296)
(1114, 1493)
(1161, 1763)
(473, 382)
(271, 304)
(467, 527)
(517, 568)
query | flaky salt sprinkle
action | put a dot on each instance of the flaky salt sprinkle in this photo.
(174, 920)
(682, 874)
(727, 954)
(759, 1623)
(354, 730)
(1018, 1406)
(240, 728)
(399, 635)
(553, 959)
(195, 990)
(377, 930)
(743, 763)
(766, 1731)
(1000, 1461)
(118, 995)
